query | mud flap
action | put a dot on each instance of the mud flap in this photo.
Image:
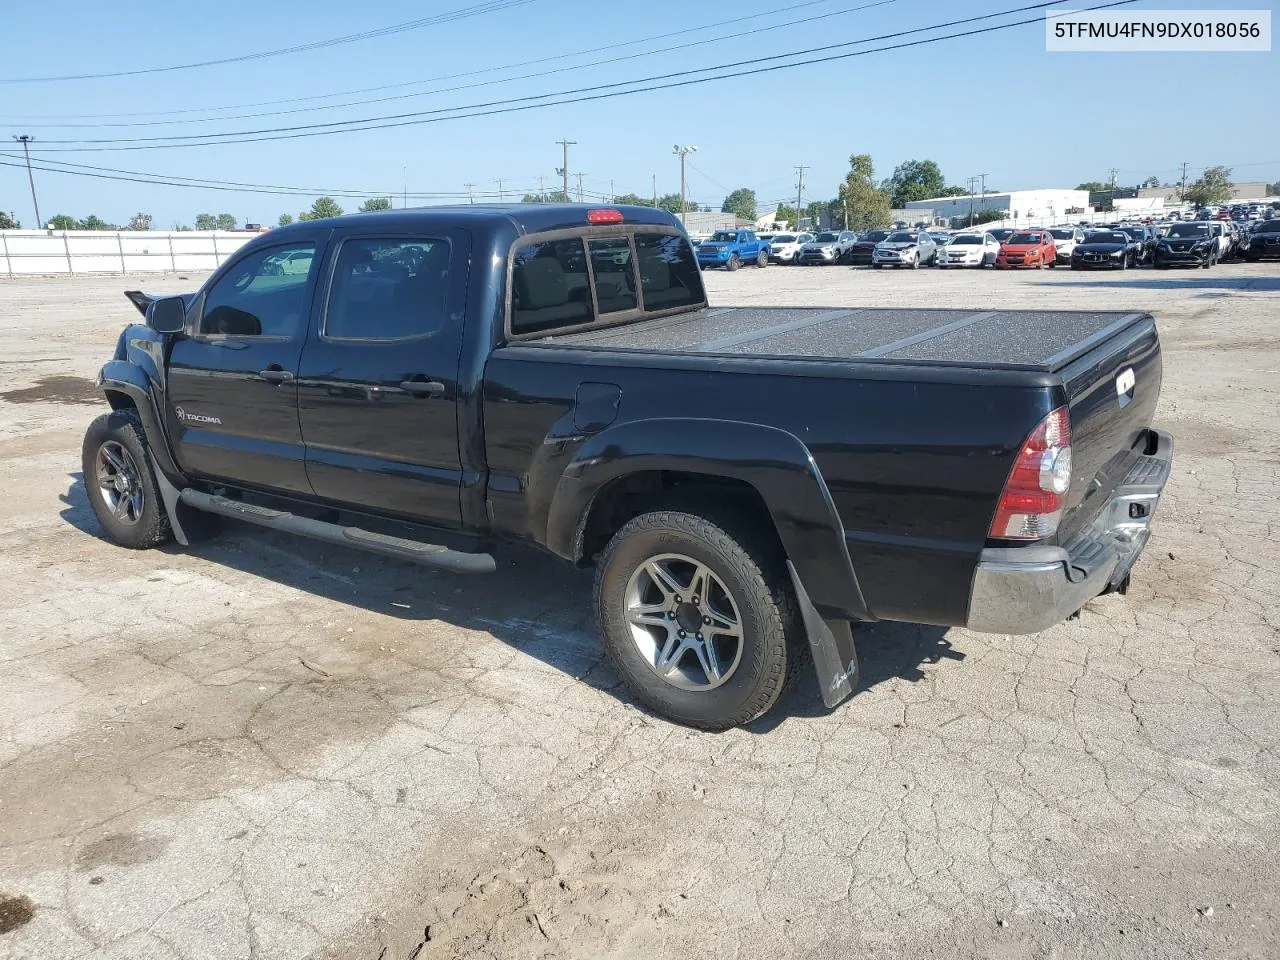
(835, 657)
(169, 495)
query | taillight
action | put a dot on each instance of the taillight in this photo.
(604, 216)
(1033, 498)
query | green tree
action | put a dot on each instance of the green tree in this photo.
(1151, 182)
(1273, 189)
(633, 199)
(1213, 188)
(914, 180)
(92, 222)
(954, 192)
(670, 202)
(989, 216)
(868, 205)
(285, 219)
(182, 227)
(1093, 186)
(375, 203)
(139, 221)
(8, 221)
(225, 221)
(206, 221)
(64, 221)
(323, 207)
(555, 196)
(741, 203)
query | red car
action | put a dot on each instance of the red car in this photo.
(1028, 248)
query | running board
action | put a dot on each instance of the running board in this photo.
(429, 554)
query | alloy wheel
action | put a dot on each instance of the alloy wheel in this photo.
(120, 482)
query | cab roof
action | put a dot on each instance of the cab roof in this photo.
(527, 217)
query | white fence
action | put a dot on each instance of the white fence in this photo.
(32, 252)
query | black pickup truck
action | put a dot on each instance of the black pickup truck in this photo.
(748, 483)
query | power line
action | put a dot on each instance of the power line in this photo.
(479, 9)
(521, 104)
(451, 76)
(472, 86)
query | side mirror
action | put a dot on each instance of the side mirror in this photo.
(167, 315)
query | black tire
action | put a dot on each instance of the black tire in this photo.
(762, 259)
(877, 266)
(734, 263)
(1124, 262)
(915, 263)
(752, 569)
(137, 529)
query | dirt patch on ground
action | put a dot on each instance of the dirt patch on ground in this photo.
(56, 389)
(15, 912)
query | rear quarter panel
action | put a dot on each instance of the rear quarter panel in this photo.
(913, 461)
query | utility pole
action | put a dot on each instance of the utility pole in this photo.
(611, 193)
(983, 178)
(655, 190)
(1114, 172)
(1182, 190)
(972, 181)
(406, 186)
(683, 152)
(579, 175)
(564, 171)
(542, 189)
(471, 191)
(25, 140)
(799, 192)
(501, 193)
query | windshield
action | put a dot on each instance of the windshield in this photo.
(825, 238)
(724, 236)
(875, 236)
(1189, 230)
(1132, 231)
(1063, 234)
(784, 238)
(1024, 238)
(1268, 226)
(966, 238)
(902, 237)
(1106, 237)
(1000, 233)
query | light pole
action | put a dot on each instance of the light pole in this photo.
(682, 152)
(24, 140)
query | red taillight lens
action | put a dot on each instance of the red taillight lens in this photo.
(604, 216)
(1033, 498)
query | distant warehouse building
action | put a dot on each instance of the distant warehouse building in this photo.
(1019, 204)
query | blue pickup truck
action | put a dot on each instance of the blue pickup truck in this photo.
(732, 248)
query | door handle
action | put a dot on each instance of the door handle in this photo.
(423, 388)
(275, 375)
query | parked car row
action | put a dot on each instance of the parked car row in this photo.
(1119, 246)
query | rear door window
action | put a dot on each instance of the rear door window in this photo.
(388, 289)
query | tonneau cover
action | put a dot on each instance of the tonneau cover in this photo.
(1041, 340)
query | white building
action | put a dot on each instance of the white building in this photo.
(1021, 204)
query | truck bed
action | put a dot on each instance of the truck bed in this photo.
(1033, 340)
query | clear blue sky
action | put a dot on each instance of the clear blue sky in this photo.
(1035, 119)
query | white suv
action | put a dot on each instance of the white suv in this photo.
(784, 247)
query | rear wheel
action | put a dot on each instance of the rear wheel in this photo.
(695, 615)
(122, 489)
(762, 260)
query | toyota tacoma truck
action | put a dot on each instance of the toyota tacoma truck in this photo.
(748, 483)
(732, 248)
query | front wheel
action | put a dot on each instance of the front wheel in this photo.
(122, 489)
(762, 260)
(695, 615)
(733, 264)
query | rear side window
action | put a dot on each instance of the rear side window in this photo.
(550, 286)
(387, 289)
(669, 275)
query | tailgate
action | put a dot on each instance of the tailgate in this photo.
(1112, 392)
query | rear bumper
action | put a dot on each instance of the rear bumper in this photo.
(1022, 590)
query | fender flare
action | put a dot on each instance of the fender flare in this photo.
(772, 461)
(128, 378)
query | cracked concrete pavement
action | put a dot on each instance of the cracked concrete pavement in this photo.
(262, 747)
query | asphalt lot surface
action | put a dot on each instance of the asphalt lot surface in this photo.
(265, 747)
